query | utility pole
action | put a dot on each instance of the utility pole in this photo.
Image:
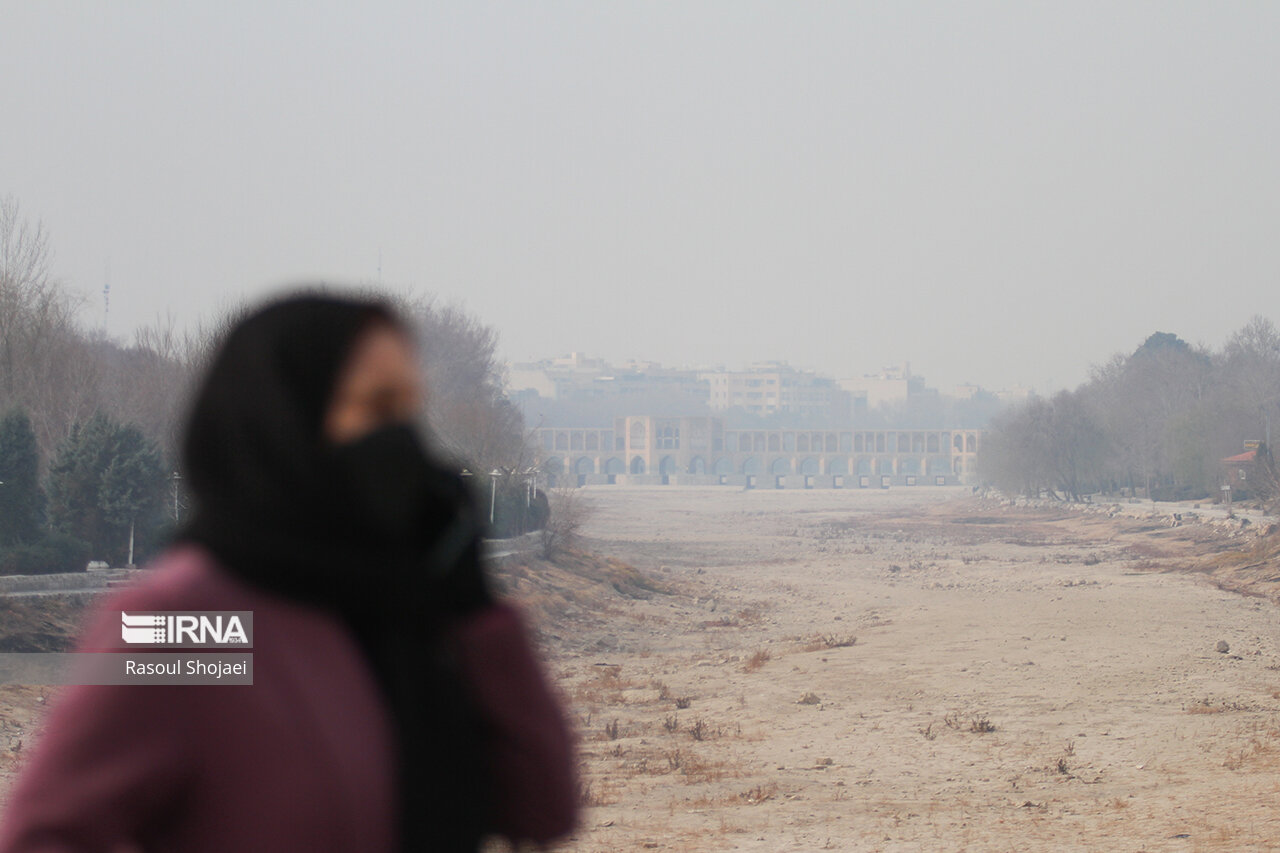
(176, 479)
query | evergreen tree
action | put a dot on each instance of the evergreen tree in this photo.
(105, 478)
(22, 501)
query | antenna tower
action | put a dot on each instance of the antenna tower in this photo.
(106, 297)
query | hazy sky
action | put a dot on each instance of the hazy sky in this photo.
(999, 192)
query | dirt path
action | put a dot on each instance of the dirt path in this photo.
(1020, 681)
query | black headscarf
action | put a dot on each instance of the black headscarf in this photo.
(273, 504)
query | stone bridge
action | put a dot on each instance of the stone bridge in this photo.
(646, 450)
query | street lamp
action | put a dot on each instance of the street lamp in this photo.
(493, 492)
(176, 479)
(531, 482)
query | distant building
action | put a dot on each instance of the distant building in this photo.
(773, 388)
(647, 450)
(1016, 394)
(577, 378)
(1238, 473)
(891, 385)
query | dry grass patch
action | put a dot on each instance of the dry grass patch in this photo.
(822, 642)
(975, 723)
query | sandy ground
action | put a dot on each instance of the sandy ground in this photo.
(917, 670)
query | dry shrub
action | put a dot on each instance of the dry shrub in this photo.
(699, 730)
(697, 769)
(759, 794)
(976, 723)
(568, 513)
(822, 642)
(1204, 706)
(757, 660)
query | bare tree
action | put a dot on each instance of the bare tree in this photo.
(569, 512)
(47, 365)
(471, 419)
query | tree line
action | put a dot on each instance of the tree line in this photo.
(90, 427)
(1157, 422)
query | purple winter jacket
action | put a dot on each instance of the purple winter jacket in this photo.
(302, 760)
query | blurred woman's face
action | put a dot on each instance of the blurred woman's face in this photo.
(379, 385)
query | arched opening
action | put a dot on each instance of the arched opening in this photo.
(780, 467)
(585, 465)
(562, 441)
(751, 466)
(613, 465)
(774, 444)
(722, 467)
(809, 466)
(593, 441)
(667, 466)
(697, 466)
(971, 443)
(637, 465)
(802, 442)
(575, 441)
(839, 465)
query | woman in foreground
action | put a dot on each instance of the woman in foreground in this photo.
(395, 704)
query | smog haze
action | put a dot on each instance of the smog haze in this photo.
(998, 193)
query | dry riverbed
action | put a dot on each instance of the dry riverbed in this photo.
(918, 670)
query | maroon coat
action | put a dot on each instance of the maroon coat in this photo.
(302, 760)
